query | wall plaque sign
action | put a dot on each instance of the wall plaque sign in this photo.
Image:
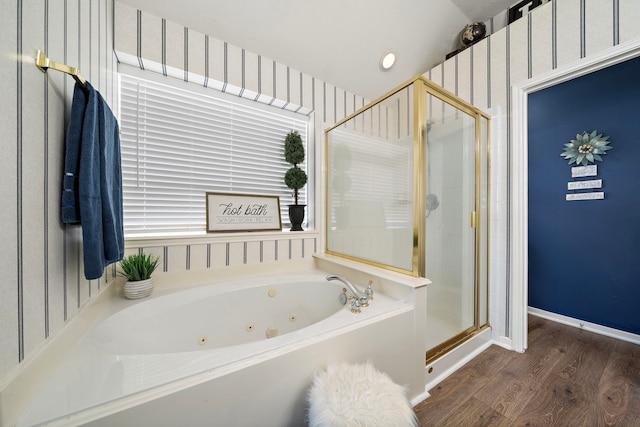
(598, 195)
(242, 212)
(581, 171)
(580, 185)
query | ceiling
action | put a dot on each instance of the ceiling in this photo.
(337, 41)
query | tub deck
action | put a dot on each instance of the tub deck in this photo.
(102, 387)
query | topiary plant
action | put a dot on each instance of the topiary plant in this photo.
(295, 178)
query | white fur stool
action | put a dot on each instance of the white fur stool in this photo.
(357, 396)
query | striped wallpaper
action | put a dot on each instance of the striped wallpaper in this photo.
(552, 35)
(158, 45)
(43, 285)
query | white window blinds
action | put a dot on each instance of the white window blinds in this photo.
(177, 144)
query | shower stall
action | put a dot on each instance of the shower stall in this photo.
(407, 185)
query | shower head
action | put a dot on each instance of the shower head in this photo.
(432, 202)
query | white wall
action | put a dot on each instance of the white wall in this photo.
(43, 285)
(555, 34)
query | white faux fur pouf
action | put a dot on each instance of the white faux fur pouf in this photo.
(348, 395)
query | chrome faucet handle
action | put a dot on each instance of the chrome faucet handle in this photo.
(355, 305)
(369, 291)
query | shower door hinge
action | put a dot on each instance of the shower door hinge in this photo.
(474, 219)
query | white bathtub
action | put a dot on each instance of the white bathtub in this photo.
(202, 357)
(222, 315)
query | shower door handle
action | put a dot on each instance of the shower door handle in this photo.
(474, 219)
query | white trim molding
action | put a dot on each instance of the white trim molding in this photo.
(519, 254)
(587, 326)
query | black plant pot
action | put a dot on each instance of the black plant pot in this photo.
(296, 216)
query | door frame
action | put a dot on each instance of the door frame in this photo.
(519, 176)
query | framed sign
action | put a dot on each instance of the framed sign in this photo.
(242, 212)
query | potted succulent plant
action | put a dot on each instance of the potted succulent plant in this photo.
(137, 269)
(295, 178)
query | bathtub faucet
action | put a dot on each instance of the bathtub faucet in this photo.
(360, 299)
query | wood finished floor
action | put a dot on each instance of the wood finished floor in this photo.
(567, 377)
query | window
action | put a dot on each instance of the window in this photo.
(178, 143)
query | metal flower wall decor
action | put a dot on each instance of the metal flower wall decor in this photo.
(586, 148)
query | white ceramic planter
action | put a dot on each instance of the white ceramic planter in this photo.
(138, 289)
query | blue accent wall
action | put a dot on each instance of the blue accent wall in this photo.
(584, 256)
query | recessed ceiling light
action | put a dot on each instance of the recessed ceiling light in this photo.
(387, 60)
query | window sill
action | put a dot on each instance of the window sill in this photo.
(136, 241)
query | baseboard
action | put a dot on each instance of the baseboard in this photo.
(444, 366)
(587, 326)
(419, 398)
(503, 342)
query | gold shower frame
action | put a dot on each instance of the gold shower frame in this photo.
(421, 87)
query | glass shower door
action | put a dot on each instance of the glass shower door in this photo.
(450, 224)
